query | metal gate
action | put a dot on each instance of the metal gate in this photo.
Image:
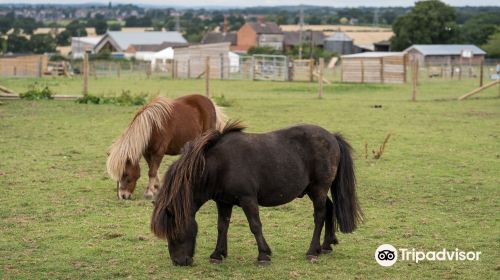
(261, 67)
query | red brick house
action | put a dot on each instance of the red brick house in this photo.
(259, 34)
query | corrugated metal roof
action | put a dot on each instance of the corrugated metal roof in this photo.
(87, 40)
(339, 36)
(373, 54)
(445, 49)
(125, 39)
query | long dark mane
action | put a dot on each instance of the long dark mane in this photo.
(174, 201)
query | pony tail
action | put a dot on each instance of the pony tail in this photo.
(347, 211)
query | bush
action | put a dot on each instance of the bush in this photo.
(124, 99)
(37, 93)
(223, 101)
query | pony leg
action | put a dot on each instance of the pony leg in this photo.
(154, 182)
(220, 251)
(330, 237)
(251, 210)
(319, 203)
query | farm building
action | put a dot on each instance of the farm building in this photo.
(364, 38)
(220, 37)
(260, 34)
(119, 42)
(340, 43)
(23, 65)
(190, 61)
(430, 55)
(292, 38)
(80, 45)
(374, 67)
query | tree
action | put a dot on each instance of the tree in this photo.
(429, 22)
(101, 26)
(17, 44)
(3, 45)
(115, 27)
(477, 29)
(63, 38)
(27, 25)
(492, 48)
(42, 43)
(76, 29)
(5, 25)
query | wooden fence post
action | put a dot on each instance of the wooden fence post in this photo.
(40, 67)
(85, 69)
(362, 71)
(189, 68)
(253, 68)
(481, 73)
(311, 70)
(405, 58)
(320, 77)
(221, 57)
(414, 79)
(382, 70)
(148, 70)
(118, 69)
(207, 76)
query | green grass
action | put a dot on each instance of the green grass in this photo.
(436, 186)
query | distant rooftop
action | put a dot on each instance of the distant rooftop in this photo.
(125, 39)
(292, 38)
(219, 37)
(446, 49)
(339, 36)
(373, 54)
(265, 27)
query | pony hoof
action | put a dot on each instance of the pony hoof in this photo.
(215, 261)
(263, 263)
(312, 258)
(326, 251)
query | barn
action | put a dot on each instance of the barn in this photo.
(437, 55)
(374, 67)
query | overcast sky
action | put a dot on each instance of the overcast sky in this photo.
(246, 3)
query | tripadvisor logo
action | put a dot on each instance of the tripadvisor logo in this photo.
(387, 255)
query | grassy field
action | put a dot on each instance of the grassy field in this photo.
(436, 186)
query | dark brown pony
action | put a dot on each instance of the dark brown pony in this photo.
(248, 170)
(161, 127)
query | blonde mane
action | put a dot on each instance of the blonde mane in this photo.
(134, 140)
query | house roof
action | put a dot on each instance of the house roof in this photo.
(87, 40)
(445, 49)
(122, 40)
(218, 37)
(292, 38)
(265, 28)
(339, 36)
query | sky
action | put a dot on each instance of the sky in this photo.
(247, 3)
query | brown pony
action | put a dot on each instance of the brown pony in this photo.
(161, 127)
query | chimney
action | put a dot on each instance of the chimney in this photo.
(225, 24)
(260, 19)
